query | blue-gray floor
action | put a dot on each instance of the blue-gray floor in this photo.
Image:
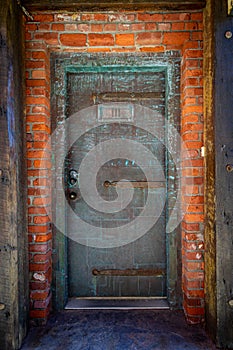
(117, 330)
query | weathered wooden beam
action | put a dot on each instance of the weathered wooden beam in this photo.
(219, 177)
(209, 141)
(223, 97)
(152, 5)
(13, 222)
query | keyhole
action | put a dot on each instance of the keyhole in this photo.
(73, 196)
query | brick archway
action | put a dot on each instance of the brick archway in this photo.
(113, 32)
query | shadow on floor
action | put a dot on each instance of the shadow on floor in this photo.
(117, 330)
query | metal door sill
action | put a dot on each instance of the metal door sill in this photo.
(121, 303)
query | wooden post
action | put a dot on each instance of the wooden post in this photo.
(13, 222)
(219, 177)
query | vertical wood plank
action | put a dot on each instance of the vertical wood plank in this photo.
(209, 141)
(13, 239)
(224, 180)
(219, 229)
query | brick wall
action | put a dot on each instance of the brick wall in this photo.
(113, 32)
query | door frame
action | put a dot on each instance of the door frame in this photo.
(61, 65)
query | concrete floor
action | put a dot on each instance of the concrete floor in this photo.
(117, 330)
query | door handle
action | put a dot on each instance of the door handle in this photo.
(73, 177)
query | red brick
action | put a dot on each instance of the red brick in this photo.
(96, 28)
(38, 313)
(42, 303)
(44, 26)
(194, 217)
(71, 27)
(190, 136)
(41, 219)
(136, 27)
(100, 17)
(100, 39)
(36, 210)
(41, 181)
(194, 53)
(42, 258)
(37, 82)
(50, 38)
(41, 238)
(195, 311)
(155, 17)
(39, 136)
(110, 27)
(83, 27)
(43, 18)
(149, 38)
(31, 27)
(39, 201)
(39, 74)
(73, 39)
(122, 27)
(164, 26)
(38, 154)
(34, 64)
(191, 26)
(43, 248)
(197, 35)
(98, 49)
(40, 127)
(37, 192)
(58, 26)
(158, 48)
(177, 26)
(177, 38)
(151, 26)
(196, 199)
(125, 39)
(39, 295)
(198, 16)
(38, 285)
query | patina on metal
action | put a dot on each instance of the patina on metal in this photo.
(64, 68)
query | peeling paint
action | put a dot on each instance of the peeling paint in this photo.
(39, 276)
(198, 256)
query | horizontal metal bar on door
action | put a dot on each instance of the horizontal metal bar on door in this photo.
(135, 184)
(129, 272)
(159, 67)
(126, 96)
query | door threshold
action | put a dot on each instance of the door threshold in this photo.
(121, 303)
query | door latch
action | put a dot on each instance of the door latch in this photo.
(73, 177)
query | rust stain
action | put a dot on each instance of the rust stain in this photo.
(129, 272)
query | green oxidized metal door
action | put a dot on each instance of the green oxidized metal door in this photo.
(134, 266)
